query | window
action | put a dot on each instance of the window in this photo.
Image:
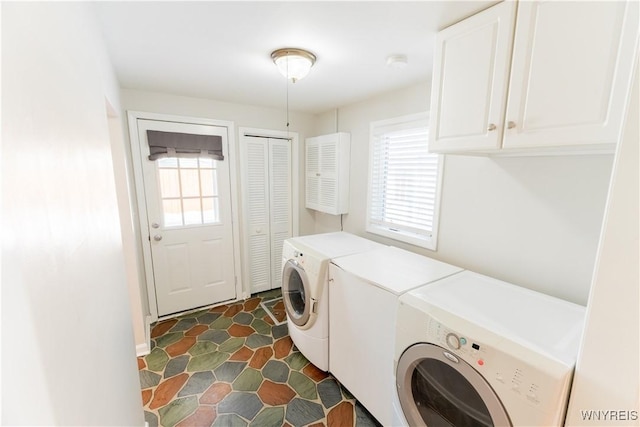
(189, 191)
(404, 181)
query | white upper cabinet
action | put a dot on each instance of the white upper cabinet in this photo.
(562, 86)
(571, 73)
(327, 172)
(470, 75)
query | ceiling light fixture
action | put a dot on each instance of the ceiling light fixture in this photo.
(397, 61)
(293, 63)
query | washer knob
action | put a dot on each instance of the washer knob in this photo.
(453, 341)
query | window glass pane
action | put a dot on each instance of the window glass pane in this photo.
(404, 181)
(192, 211)
(208, 182)
(167, 162)
(172, 212)
(189, 182)
(207, 162)
(189, 162)
(210, 210)
(169, 183)
(189, 190)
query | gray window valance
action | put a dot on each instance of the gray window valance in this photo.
(174, 144)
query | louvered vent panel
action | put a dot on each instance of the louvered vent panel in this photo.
(259, 259)
(280, 183)
(313, 191)
(328, 192)
(329, 157)
(257, 185)
(313, 158)
(277, 241)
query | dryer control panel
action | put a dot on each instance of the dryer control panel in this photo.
(473, 351)
(526, 377)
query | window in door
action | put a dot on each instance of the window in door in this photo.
(404, 181)
(189, 191)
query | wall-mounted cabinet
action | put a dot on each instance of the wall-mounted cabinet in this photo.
(327, 173)
(562, 85)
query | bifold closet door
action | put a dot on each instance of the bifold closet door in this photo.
(266, 166)
(280, 206)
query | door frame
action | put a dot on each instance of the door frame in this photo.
(137, 161)
(295, 190)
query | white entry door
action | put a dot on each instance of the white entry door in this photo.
(188, 203)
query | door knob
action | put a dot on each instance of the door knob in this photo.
(155, 225)
(511, 125)
(491, 127)
(157, 237)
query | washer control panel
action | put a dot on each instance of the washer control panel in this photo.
(523, 380)
(310, 263)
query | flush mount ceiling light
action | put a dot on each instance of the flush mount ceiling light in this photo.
(293, 63)
(397, 61)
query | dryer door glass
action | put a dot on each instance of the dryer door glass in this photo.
(296, 291)
(444, 397)
(437, 388)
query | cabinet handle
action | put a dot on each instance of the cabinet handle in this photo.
(511, 125)
(491, 127)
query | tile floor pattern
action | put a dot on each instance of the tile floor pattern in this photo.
(232, 365)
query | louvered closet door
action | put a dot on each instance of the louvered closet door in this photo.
(280, 203)
(256, 188)
(266, 165)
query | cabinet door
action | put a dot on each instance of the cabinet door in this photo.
(329, 175)
(571, 73)
(470, 76)
(312, 170)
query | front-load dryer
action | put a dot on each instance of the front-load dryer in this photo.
(476, 351)
(363, 297)
(305, 289)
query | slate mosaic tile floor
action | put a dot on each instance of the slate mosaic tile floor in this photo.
(233, 365)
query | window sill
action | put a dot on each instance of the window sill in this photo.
(412, 239)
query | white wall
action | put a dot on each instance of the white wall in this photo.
(242, 116)
(533, 221)
(607, 374)
(126, 202)
(68, 347)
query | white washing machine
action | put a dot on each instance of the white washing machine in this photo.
(476, 351)
(363, 297)
(305, 262)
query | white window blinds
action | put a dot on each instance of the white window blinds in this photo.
(404, 181)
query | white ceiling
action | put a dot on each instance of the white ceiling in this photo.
(221, 50)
